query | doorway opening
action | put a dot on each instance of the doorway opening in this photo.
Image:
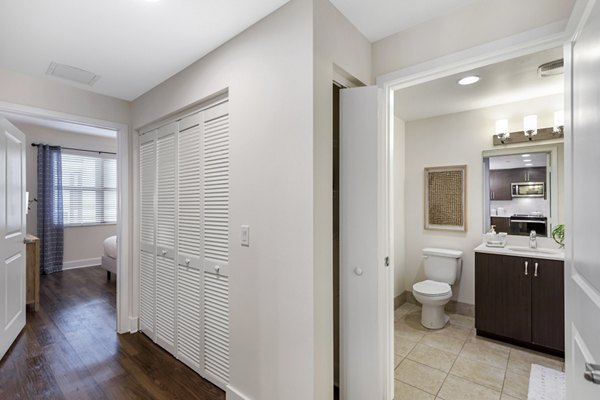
(336, 239)
(435, 122)
(95, 178)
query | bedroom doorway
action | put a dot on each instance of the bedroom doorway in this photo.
(93, 159)
(72, 217)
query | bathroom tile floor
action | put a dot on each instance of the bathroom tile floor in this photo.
(453, 363)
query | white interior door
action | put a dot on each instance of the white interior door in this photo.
(366, 371)
(582, 160)
(12, 234)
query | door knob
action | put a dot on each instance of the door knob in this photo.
(164, 252)
(187, 261)
(217, 269)
(592, 373)
(358, 271)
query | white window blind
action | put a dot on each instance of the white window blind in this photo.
(89, 184)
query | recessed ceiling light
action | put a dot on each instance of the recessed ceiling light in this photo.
(469, 80)
(525, 155)
(152, 1)
(528, 164)
(527, 160)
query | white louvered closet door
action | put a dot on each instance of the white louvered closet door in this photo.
(147, 171)
(166, 229)
(189, 222)
(216, 245)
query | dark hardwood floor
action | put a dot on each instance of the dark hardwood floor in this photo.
(70, 350)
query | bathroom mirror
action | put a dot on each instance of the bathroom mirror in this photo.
(522, 189)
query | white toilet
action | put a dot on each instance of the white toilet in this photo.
(442, 269)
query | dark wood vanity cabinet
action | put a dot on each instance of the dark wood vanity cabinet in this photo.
(520, 299)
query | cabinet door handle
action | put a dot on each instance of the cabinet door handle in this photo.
(526, 265)
(535, 269)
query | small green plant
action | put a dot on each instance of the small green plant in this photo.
(558, 234)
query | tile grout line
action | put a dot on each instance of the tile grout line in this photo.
(452, 366)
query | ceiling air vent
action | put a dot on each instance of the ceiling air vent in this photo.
(551, 68)
(73, 74)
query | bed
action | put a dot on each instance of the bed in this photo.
(109, 259)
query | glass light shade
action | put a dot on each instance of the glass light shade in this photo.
(559, 118)
(530, 124)
(502, 127)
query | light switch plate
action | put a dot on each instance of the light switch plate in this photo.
(246, 235)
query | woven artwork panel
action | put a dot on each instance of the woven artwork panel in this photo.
(445, 202)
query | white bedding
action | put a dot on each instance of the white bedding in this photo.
(110, 247)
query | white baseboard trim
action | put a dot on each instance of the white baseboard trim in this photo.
(234, 394)
(133, 324)
(84, 263)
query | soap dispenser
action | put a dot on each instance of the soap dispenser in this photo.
(491, 237)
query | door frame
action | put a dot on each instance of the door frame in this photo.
(532, 41)
(126, 315)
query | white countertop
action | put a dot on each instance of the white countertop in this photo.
(513, 250)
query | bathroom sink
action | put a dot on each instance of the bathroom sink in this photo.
(524, 249)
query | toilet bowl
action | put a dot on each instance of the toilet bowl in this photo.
(442, 268)
(433, 296)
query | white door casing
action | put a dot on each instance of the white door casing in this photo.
(366, 315)
(12, 234)
(582, 160)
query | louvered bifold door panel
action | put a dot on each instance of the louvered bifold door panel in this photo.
(216, 245)
(147, 213)
(189, 178)
(166, 228)
(189, 316)
(189, 222)
(216, 328)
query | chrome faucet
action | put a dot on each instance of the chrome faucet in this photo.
(532, 240)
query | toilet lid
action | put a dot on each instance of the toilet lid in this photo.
(432, 288)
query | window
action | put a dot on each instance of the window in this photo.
(89, 183)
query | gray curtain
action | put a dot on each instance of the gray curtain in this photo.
(50, 209)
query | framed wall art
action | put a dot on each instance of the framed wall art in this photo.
(446, 198)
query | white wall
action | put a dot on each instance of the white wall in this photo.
(81, 243)
(478, 23)
(279, 74)
(454, 139)
(53, 95)
(399, 232)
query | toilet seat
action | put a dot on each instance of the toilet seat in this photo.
(431, 288)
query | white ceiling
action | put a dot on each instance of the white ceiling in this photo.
(133, 45)
(518, 161)
(377, 19)
(506, 82)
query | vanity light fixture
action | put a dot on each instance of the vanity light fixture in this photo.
(468, 80)
(530, 126)
(502, 130)
(559, 122)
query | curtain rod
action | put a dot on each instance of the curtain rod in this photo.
(71, 148)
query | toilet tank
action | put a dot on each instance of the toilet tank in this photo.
(442, 265)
